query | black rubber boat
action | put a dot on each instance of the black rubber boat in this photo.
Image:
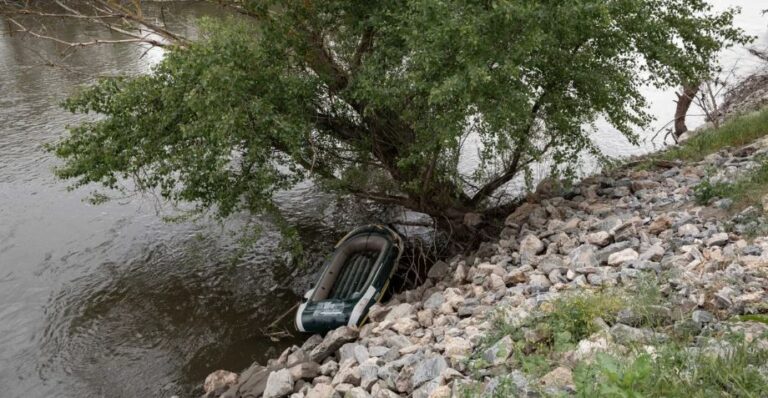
(354, 278)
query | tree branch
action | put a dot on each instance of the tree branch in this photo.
(23, 29)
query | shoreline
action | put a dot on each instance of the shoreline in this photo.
(479, 323)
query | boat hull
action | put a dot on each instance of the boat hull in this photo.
(354, 278)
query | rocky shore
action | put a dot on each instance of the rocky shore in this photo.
(621, 266)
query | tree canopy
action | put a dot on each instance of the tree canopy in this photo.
(378, 99)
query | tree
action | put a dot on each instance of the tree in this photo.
(377, 99)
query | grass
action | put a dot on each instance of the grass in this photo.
(560, 324)
(745, 191)
(738, 131)
(675, 371)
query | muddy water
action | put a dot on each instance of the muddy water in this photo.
(111, 301)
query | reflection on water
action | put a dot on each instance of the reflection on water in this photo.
(109, 300)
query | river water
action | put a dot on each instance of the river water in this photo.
(111, 301)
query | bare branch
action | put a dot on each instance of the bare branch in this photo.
(23, 29)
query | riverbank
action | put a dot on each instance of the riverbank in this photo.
(649, 278)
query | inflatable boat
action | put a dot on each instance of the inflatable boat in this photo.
(354, 278)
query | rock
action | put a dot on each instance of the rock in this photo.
(496, 282)
(434, 301)
(219, 379)
(603, 254)
(627, 335)
(385, 393)
(426, 389)
(322, 391)
(549, 263)
(531, 245)
(312, 342)
(306, 371)
(514, 277)
(653, 253)
(279, 384)
(329, 368)
(425, 318)
(560, 377)
(405, 326)
(718, 239)
(701, 316)
(498, 353)
(588, 349)
(599, 238)
(724, 203)
(428, 369)
(296, 357)
(349, 373)
(441, 392)
(460, 275)
(621, 257)
(688, 230)
(252, 382)
(369, 374)
(357, 392)
(521, 214)
(333, 341)
(399, 311)
(538, 283)
(438, 270)
(609, 224)
(473, 220)
(490, 269)
(659, 225)
(583, 256)
(457, 347)
(644, 184)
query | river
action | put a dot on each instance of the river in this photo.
(111, 301)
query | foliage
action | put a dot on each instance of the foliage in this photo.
(736, 132)
(748, 190)
(377, 99)
(706, 190)
(563, 322)
(676, 371)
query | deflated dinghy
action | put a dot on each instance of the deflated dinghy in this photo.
(354, 278)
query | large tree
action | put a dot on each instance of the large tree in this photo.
(377, 99)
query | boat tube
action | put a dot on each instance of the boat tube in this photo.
(355, 277)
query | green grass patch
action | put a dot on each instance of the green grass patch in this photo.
(675, 371)
(762, 318)
(746, 191)
(559, 325)
(738, 131)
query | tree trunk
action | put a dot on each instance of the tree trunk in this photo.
(684, 101)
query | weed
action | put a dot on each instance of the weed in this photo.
(677, 371)
(736, 132)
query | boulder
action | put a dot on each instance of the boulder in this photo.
(659, 225)
(560, 377)
(457, 347)
(332, 342)
(399, 311)
(622, 257)
(428, 369)
(584, 257)
(531, 245)
(218, 380)
(279, 384)
(498, 353)
(718, 239)
(306, 371)
(434, 301)
(599, 238)
(322, 391)
(438, 270)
